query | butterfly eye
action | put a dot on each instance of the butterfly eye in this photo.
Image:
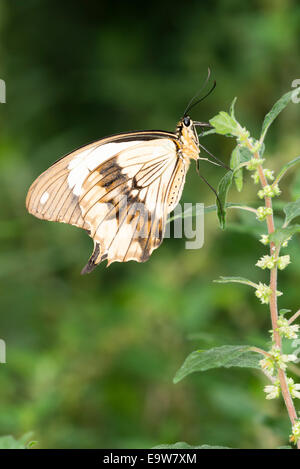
(187, 121)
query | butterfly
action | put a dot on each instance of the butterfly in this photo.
(120, 189)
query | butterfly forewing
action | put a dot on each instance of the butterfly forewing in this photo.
(120, 189)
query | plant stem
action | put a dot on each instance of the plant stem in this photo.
(273, 302)
(294, 317)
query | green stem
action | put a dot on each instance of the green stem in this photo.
(273, 300)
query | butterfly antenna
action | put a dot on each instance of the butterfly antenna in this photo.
(212, 188)
(191, 102)
(214, 157)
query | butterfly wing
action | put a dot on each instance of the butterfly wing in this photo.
(120, 191)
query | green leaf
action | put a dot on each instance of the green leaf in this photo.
(291, 210)
(245, 154)
(222, 192)
(282, 234)
(236, 280)
(224, 123)
(239, 155)
(235, 161)
(295, 187)
(225, 356)
(284, 311)
(286, 167)
(183, 445)
(276, 110)
(9, 442)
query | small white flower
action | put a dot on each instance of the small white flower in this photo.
(277, 359)
(263, 292)
(266, 262)
(286, 330)
(283, 359)
(276, 190)
(272, 390)
(269, 174)
(283, 261)
(268, 366)
(243, 134)
(256, 145)
(264, 239)
(295, 436)
(253, 164)
(263, 212)
(261, 194)
(255, 177)
(269, 191)
(294, 388)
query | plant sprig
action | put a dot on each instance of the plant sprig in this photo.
(249, 154)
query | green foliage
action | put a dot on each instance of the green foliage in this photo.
(240, 155)
(287, 166)
(224, 123)
(90, 359)
(183, 445)
(235, 161)
(291, 210)
(275, 363)
(276, 110)
(282, 234)
(9, 442)
(222, 192)
(226, 356)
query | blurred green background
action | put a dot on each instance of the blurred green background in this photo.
(90, 359)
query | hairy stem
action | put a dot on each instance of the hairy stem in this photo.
(273, 303)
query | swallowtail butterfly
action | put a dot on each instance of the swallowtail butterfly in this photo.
(120, 189)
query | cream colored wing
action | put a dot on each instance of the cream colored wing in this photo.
(121, 192)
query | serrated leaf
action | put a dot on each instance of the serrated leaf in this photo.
(236, 280)
(226, 356)
(222, 192)
(183, 445)
(224, 123)
(286, 167)
(282, 234)
(291, 210)
(276, 110)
